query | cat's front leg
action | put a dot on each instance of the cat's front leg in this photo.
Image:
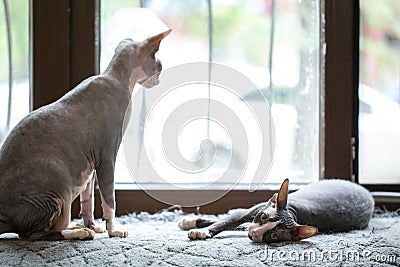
(87, 207)
(231, 222)
(105, 177)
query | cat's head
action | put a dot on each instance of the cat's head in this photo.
(275, 224)
(141, 58)
(150, 65)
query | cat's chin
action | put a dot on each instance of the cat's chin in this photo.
(149, 83)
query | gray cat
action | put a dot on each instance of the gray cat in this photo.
(324, 206)
(56, 152)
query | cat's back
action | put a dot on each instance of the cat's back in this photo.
(67, 123)
(333, 189)
(333, 205)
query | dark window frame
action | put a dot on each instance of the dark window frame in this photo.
(64, 38)
(63, 46)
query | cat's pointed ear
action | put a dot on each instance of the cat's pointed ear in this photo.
(153, 43)
(283, 195)
(302, 231)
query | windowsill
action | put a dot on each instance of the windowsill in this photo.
(241, 186)
(386, 197)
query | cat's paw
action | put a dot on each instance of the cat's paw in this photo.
(80, 233)
(187, 223)
(97, 228)
(199, 234)
(112, 232)
(75, 226)
(93, 227)
(116, 233)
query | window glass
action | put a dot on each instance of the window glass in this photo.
(379, 92)
(240, 39)
(14, 103)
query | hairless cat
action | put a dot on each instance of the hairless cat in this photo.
(55, 153)
(325, 206)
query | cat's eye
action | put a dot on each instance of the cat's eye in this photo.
(274, 236)
(263, 218)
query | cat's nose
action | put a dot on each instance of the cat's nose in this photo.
(253, 234)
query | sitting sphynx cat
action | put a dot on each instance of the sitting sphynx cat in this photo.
(55, 152)
(325, 206)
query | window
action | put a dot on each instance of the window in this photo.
(379, 92)
(64, 39)
(14, 64)
(240, 38)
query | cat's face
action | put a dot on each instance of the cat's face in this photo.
(150, 66)
(149, 73)
(281, 233)
(140, 59)
(274, 223)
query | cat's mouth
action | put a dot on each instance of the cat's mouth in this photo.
(257, 231)
(149, 82)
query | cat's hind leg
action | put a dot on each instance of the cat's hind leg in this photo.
(46, 217)
(5, 225)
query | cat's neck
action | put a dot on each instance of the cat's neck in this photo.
(122, 68)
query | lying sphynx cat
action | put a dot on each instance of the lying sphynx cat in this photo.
(325, 206)
(55, 152)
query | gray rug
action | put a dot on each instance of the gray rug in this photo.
(155, 240)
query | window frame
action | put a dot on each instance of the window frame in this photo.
(64, 50)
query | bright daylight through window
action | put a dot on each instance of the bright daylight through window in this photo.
(379, 91)
(14, 64)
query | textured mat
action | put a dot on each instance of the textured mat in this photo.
(155, 240)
